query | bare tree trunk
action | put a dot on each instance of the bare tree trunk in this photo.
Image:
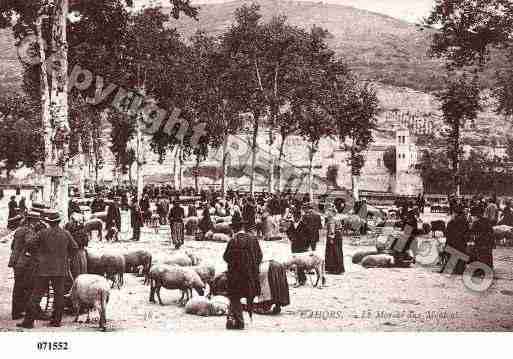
(140, 164)
(271, 170)
(180, 170)
(175, 172)
(223, 172)
(196, 187)
(45, 111)
(280, 159)
(82, 167)
(59, 93)
(310, 172)
(253, 154)
(355, 184)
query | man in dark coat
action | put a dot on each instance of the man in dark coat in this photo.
(137, 220)
(113, 219)
(312, 226)
(20, 261)
(176, 225)
(13, 207)
(53, 248)
(243, 256)
(249, 214)
(457, 233)
(301, 237)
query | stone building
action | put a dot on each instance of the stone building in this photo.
(374, 174)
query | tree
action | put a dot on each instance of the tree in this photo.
(287, 124)
(356, 126)
(435, 172)
(241, 44)
(20, 133)
(283, 52)
(53, 87)
(460, 102)
(466, 32)
(389, 159)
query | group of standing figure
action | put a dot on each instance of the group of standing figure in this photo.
(45, 256)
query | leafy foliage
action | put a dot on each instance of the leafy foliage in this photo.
(460, 103)
(20, 133)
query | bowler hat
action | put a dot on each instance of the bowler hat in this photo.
(52, 216)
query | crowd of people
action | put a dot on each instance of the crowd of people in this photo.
(470, 229)
(43, 252)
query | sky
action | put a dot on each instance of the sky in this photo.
(408, 10)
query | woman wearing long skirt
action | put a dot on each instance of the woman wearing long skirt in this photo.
(176, 215)
(334, 255)
(274, 292)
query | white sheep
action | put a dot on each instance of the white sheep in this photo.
(308, 262)
(216, 306)
(378, 261)
(113, 265)
(175, 277)
(91, 291)
(220, 237)
(207, 273)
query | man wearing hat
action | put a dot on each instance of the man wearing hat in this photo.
(53, 248)
(312, 224)
(243, 256)
(22, 264)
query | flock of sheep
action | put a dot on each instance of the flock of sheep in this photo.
(182, 270)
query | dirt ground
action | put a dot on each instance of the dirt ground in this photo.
(406, 299)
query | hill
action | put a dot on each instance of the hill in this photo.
(379, 47)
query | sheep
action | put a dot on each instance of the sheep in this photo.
(94, 224)
(182, 259)
(378, 261)
(92, 291)
(94, 262)
(138, 258)
(223, 219)
(308, 261)
(195, 260)
(174, 277)
(222, 228)
(114, 267)
(216, 306)
(191, 225)
(220, 237)
(219, 286)
(209, 235)
(358, 256)
(207, 273)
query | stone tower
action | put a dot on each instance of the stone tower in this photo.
(403, 151)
